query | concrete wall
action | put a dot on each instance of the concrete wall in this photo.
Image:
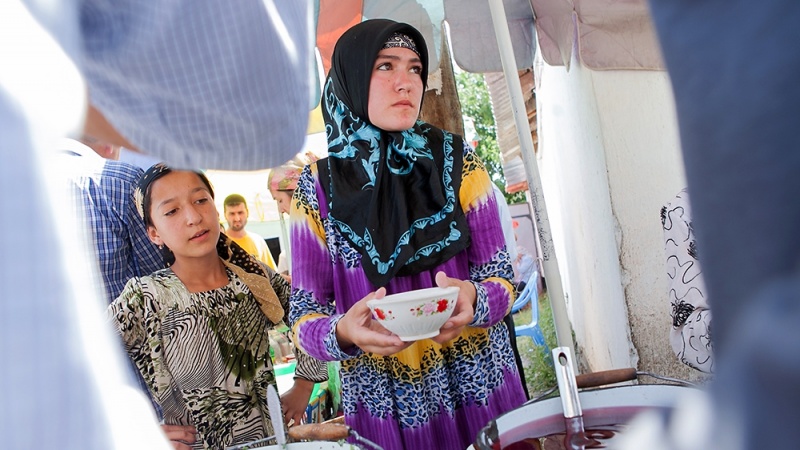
(575, 184)
(609, 158)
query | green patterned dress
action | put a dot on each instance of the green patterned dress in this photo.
(205, 356)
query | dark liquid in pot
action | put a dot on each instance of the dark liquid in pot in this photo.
(557, 433)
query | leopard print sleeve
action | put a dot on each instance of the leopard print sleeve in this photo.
(308, 368)
(489, 262)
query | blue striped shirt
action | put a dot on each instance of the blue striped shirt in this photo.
(212, 87)
(243, 108)
(103, 191)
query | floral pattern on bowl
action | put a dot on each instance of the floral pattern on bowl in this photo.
(416, 314)
(430, 308)
(384, 315)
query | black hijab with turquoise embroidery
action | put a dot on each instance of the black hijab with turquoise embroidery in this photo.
(393, 195)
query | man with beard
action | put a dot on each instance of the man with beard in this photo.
(235, 208)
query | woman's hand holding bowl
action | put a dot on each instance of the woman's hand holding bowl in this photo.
(358, 328)
(464, 310)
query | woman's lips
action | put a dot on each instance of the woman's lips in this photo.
(199, 235)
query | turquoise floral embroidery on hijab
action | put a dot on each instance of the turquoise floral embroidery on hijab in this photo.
(401, 158)
(392, 194)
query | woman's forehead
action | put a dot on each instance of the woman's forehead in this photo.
(175, 182)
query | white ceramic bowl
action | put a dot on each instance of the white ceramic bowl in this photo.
(415, 315)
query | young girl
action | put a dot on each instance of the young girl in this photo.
(198, 330)
(400, 205)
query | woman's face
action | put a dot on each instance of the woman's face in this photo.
(284, 199)
(184, 216)
(395, 89)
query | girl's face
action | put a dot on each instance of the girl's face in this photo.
(395, 89)
(284, 199)
(183, 214)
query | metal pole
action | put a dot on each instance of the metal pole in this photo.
(285, 244)
(552, 275)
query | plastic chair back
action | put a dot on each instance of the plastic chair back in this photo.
(530, 294)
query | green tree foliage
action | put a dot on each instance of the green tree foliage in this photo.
(476, 104)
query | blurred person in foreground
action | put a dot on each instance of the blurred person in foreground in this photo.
(734, 67)
(161, 74)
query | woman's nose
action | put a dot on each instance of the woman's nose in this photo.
(403, 81)
(193, 216)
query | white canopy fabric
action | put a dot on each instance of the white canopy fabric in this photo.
(474, 45)
(252, 185)
(608, 34)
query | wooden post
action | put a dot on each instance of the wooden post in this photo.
(441, 106)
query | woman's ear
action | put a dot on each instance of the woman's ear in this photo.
(152, 233)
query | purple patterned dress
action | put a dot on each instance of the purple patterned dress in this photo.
(428, 395)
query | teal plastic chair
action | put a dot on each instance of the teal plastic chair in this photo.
(530, 294)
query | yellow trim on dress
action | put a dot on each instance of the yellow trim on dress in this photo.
(476, 186)
(301, 321)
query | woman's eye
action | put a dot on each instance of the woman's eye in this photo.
(171, 212)
(417, 70)
(202, 201)
(384, 66)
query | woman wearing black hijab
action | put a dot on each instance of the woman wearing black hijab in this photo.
(400, 205)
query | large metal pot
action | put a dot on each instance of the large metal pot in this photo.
(600, 413)
(601, 407)
(317, 445)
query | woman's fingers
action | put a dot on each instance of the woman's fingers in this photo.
(374, 338)
(381, 344)
(460, 318)
(295, 400)
(296, 419)
(466, 290)
(464, 310)
(442, 280)
(360, 312)
(454, 325)
(358, 328)
(180, 436)
(351, 328)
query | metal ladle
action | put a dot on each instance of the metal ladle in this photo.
(576, 438)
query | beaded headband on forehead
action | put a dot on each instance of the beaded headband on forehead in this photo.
(401, 40)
